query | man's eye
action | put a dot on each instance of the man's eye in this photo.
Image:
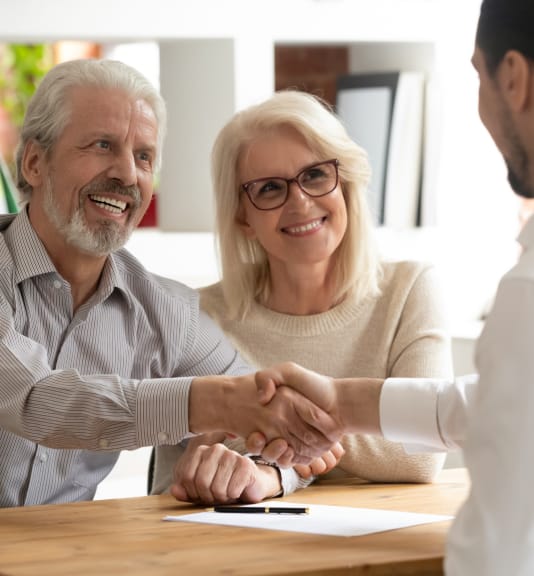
(103, 144)
(145, 157)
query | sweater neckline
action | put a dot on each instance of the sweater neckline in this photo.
(308, 325)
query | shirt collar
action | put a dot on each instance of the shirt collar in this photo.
(30, 258)
(526, 236)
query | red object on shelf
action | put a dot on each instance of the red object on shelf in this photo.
(151, 215)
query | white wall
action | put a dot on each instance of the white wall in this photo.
(231, 42)
(473, 240)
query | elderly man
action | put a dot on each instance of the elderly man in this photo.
(97, 354)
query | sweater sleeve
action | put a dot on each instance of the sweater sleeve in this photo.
(420, 348)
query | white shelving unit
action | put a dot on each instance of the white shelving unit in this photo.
(217, 56)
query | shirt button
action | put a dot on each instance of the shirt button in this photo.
(103, 443)
(43, 457)
(162, 437)
(57, 284)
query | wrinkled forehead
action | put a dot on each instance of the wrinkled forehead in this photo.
(110, 110)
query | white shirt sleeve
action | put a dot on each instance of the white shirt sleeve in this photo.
(426, 415)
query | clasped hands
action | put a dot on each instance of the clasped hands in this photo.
(316, 399)
(277, 421)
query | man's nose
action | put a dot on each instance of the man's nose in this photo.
(124, 168)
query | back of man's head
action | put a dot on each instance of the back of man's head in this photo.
(505, 25)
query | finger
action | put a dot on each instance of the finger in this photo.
(242, 478)
(185, 471)
(302, 470)
(299, 459)
(221, 488)
(266, 385)
(338, 450)
(179, 492)
(275, 450)
(318, 465)
(256, 443)
(311, 430)
(323, 430)
(213, 474)
(328, 460)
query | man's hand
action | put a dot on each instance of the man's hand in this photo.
(352, 403)
(232, 405)
(318, 388)
(214, 474)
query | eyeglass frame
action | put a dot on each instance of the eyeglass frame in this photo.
(245, 186)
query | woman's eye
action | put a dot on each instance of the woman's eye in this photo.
(313, 174)
(269, 187)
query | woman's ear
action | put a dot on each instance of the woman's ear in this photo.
(32, 165)
(242, 223)
(516, 80)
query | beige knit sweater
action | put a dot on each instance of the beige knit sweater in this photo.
(400, 333)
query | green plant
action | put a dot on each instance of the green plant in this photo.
(21, 68)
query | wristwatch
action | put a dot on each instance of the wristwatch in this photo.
(259, 461)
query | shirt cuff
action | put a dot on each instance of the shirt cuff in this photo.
(163, 411)
(409, 413)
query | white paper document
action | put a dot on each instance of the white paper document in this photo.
(321, 519)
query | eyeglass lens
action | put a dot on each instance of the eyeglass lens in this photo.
(317, 180)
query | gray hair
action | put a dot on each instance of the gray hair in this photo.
(49, 110)
(245, 268)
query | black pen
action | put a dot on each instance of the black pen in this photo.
(262, 509)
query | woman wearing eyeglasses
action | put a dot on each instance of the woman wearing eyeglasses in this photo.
(301, 281)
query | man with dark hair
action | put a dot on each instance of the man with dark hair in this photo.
(490, 415)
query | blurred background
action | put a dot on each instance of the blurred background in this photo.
(209, 58)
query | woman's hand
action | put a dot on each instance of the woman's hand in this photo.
(322, 464)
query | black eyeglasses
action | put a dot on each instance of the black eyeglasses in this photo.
(316, 180)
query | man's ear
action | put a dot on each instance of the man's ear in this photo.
(32, 165)
(516, 78)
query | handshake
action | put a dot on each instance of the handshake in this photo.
(286, 413)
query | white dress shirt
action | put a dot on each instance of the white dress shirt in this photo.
(493, 420)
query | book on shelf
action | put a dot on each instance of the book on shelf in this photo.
(384, 113)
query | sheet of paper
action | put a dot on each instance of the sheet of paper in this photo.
(327, 520)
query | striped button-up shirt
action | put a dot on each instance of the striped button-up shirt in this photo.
(76, 388)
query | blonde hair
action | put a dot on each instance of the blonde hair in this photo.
(244, 263)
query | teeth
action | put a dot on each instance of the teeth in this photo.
(110, 204)
(305, 227)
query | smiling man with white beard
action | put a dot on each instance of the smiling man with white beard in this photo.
(97, 354)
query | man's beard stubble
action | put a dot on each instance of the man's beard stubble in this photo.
(106, 236)
(517, 161)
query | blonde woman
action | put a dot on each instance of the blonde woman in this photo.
(302, 281)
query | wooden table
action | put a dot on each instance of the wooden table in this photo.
(128, 536)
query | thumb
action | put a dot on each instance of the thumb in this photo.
(256, 442)
(266, 387)
(177, 490)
